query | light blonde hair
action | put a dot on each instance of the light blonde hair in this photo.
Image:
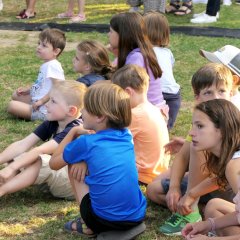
(110, 100)
(132, 76)
(72, 91)
(157, 28)
(96, 55)
(211, 74)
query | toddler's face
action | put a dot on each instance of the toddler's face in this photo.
(46, 52)
(214, 92)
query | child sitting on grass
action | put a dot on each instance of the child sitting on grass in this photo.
(216, 130)
(109, 197)
(92, 61)
(148, 126)
(159, 34)
(28, 102)
(28, 163)
(209, 82)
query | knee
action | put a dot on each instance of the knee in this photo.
(14, 96)
(153, 189)
(212, 207)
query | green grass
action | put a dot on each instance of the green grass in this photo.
(104, 9)
(30, 214)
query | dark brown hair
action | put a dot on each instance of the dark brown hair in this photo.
(225, 117)
(55, 37)
(132, 35)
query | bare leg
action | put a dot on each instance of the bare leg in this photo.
(70, 6)
(218, 207)
(80, 189)
(30, 7)
(81, 6)
(20, 109)
(155, 191)
(22, 180)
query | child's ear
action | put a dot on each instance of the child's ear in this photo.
(236, 80)
(72, 110)
(57, 51)
(101, 119)
(129, 91)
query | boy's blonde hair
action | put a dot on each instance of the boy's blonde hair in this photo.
(211, 74)
(157, 28)
(96, 55)
(55, 37)
(72, 91)
(110, 100)
(132, 76)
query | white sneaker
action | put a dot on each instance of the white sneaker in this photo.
(227, 2)
(1, 5)
(204, 19)
(196, 15)
(200, 1)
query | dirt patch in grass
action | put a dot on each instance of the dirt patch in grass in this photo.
(10, 38)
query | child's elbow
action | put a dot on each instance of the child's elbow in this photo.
(53, 164)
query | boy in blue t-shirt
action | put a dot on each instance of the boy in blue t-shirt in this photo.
(110, 198)
(28, 165)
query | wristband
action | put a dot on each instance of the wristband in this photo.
(212, 222)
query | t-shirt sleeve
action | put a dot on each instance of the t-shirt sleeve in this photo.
(54, 70)
(76, 151)
(45, 130)
(136, 58)
(60, 136)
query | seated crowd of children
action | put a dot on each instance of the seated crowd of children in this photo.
(108, 132)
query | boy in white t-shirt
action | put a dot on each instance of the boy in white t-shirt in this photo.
(28, 102)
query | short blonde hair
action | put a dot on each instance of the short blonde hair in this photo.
(72, 91)
(211, 74)
(132, 76)
(110, 100)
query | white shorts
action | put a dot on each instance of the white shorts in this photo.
(57, 181)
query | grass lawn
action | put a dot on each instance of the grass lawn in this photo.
(30, 214)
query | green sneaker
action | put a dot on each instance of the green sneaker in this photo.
(175, 224)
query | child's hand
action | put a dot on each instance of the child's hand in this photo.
(185, 203)
(6, 173)
(192, 230)
(172, 198)
(36, 105)
(174, 145)
(79, 130)
(78, 171)
(198, 237)
(23, 91)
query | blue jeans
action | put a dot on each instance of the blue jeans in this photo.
(174, 102)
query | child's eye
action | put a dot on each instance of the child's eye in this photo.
(222, 91)
(199, 126)
(207, 93)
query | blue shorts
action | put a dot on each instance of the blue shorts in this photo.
(226, 195)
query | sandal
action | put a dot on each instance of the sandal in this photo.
(65, 15)
(25, 16)
(172, 8)
(185, 9)
(78, 18)
(80, 227)
(21, 13)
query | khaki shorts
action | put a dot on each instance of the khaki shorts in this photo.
(57, 181)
